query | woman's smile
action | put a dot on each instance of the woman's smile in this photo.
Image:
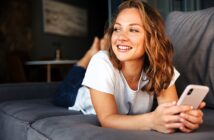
(123, 48)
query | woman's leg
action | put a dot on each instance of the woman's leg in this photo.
(95, 47)
(68, 90)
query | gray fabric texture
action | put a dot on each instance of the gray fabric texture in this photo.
(12, 128)
(21, 91)
(86, 127)
(192, 34)
(17, 116)
(31, 110)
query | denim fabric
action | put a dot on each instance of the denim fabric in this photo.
(68, 89)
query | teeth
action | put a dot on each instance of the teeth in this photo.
(123, 47)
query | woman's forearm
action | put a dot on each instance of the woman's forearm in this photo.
(130, 122)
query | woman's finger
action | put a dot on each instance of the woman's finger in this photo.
(178, 109)
(174, 125)
(193, 116)
(184, 129)
(189, 125)
(202, 105)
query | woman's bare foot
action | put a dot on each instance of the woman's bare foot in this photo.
(104, 42)
(95, 47)
(83, 62)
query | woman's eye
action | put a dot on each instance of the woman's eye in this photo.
(116, 29)
(134, 30)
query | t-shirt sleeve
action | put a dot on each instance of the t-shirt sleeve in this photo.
(175, 77)
(100, 74)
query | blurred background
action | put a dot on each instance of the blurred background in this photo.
(32, 30)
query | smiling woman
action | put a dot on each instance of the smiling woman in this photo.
(120, 83)
(27, 111)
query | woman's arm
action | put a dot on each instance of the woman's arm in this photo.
(170, 119)
(168, 95)
(159, 120)
(107, 113)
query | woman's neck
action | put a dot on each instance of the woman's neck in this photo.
(132, 72)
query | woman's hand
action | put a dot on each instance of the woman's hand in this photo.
(192, 119)
(166, 117)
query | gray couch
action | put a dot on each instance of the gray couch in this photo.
(27, 111)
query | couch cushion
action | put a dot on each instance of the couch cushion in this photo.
(17, 116)
(86, 127)
(31, 110)
(192, 34)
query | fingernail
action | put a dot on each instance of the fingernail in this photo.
(182, 114)
(181, 127)
(181, 119)
(174, 102)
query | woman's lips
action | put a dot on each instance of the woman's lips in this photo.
(123, 48)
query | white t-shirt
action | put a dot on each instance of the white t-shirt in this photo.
(103, 76)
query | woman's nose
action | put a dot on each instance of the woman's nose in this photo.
(122, 35)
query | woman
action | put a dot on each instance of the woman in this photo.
(137, 68)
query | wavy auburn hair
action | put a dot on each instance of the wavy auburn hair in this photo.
(158, 49)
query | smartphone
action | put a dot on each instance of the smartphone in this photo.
(193, 95)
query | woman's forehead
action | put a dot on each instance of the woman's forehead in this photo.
(129, 15)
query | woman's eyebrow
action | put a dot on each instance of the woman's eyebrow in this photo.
(135, 24)
(116, 23)
(132, 24)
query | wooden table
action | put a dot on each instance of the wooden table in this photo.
(49, 63)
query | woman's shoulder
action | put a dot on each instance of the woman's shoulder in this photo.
(101, 56)
(101, 60)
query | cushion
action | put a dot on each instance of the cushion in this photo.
(31, 110)
(86, 127)
(17, 116)
(192, 34)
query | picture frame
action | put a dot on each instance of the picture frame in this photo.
(62, 18)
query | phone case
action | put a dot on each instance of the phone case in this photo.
(193, 95)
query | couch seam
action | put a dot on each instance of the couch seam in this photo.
(31, 122)
(27, 122)
(37, 131)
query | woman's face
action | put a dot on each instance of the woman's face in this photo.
(128, 36)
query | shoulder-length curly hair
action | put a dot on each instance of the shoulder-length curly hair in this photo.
(158, 49)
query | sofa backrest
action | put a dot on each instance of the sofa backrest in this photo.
(192, 34)
(22, 91)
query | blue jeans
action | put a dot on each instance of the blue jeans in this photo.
(67, 91)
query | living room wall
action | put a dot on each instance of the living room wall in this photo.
(22, 32)
(71, 47)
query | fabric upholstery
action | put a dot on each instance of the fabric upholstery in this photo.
(192, 34)
(17, 116)
(21, 91)
(86, 127)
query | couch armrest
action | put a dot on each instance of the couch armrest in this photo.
(22, 91)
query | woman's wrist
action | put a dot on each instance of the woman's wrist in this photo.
(151, 121)
(148, 123)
